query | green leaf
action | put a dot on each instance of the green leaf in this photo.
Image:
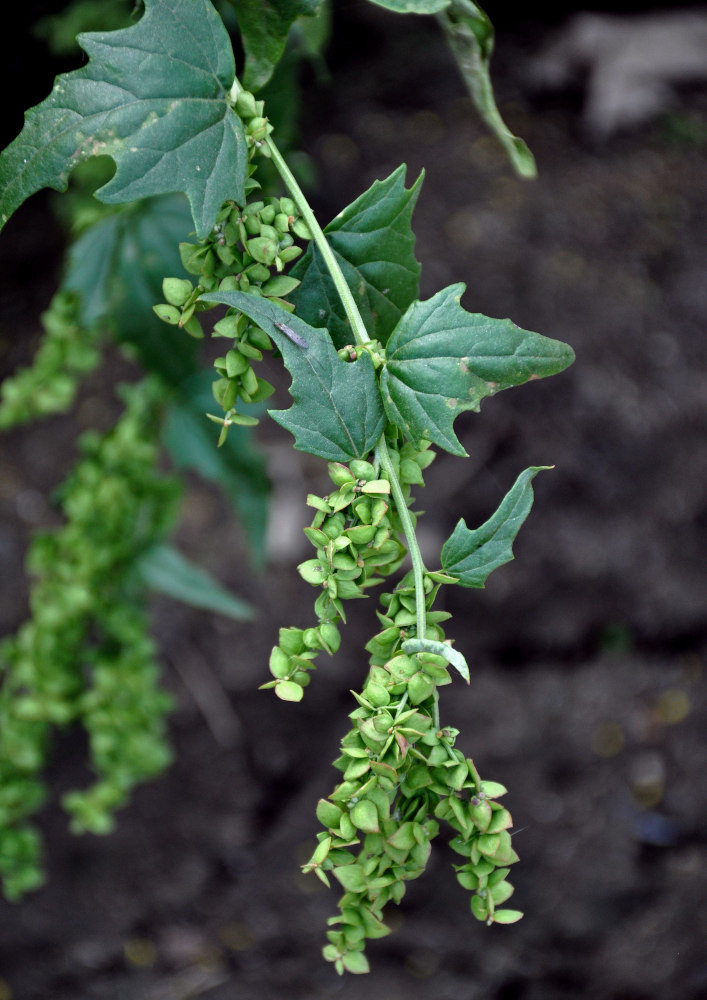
(470, 36)
(374, 246)
(237, 467)
(116, 268)
(337, 411)
(165, 569)
(264, 28)
(443, 360)
(471, 555)
(154, 98)
(413, 6)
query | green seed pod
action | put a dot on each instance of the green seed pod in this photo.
(268, 232)
(420, 687)
(259, 338)
(410, 472)
(376, 694)
(346, 589)
(362, 469)
(311, 638)
(250, 352)
(479, 908)
(288, 254)
(252, 226)
(225, 255)
(176, 290)
(300, 228)
(281, 222)
(480, 812)
(262, 249)
(488, 844)
(356, 768)
(289, 691)
(339, 473)
(379, 508)
(507, 916)
(364, 816)
(167, 313)
(316, 537)
(287, 206)
(249, 381)
(281, 284)
(330, 637)
(236, 363)
(192, 257)
(279, 663)
(376, 486)
(334, 525)
(329, 814)
(468, 880)
(267, 215)
(312, 572)
(500, 820)
(501, 892)
(245, 105)
(257, 272)
(291, 641)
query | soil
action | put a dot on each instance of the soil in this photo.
(588, 698)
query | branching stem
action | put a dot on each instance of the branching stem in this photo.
(362, 337)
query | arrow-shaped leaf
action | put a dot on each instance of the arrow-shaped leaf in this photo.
(374, 245)
(264, 28)
(154, 98)
(471, 555)
(470, 35)
(337, 411)
(165, 569)
(442, 360)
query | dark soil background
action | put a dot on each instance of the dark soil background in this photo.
(588, 695)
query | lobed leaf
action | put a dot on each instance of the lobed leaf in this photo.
(154, 98)
(337, 412)
(471, 555)
(374, 245)
(443, 360)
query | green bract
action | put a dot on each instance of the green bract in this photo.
(378, 378)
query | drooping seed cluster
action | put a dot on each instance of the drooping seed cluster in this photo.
(85, 655)
(402, 774)
(355, 532)
(68, 350)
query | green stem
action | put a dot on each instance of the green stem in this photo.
(332, 265)
(418, 568)
(361, 335)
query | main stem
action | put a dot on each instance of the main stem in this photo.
(361, 335)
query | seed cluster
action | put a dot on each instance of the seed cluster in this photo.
(85, 655)
(402, 774)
